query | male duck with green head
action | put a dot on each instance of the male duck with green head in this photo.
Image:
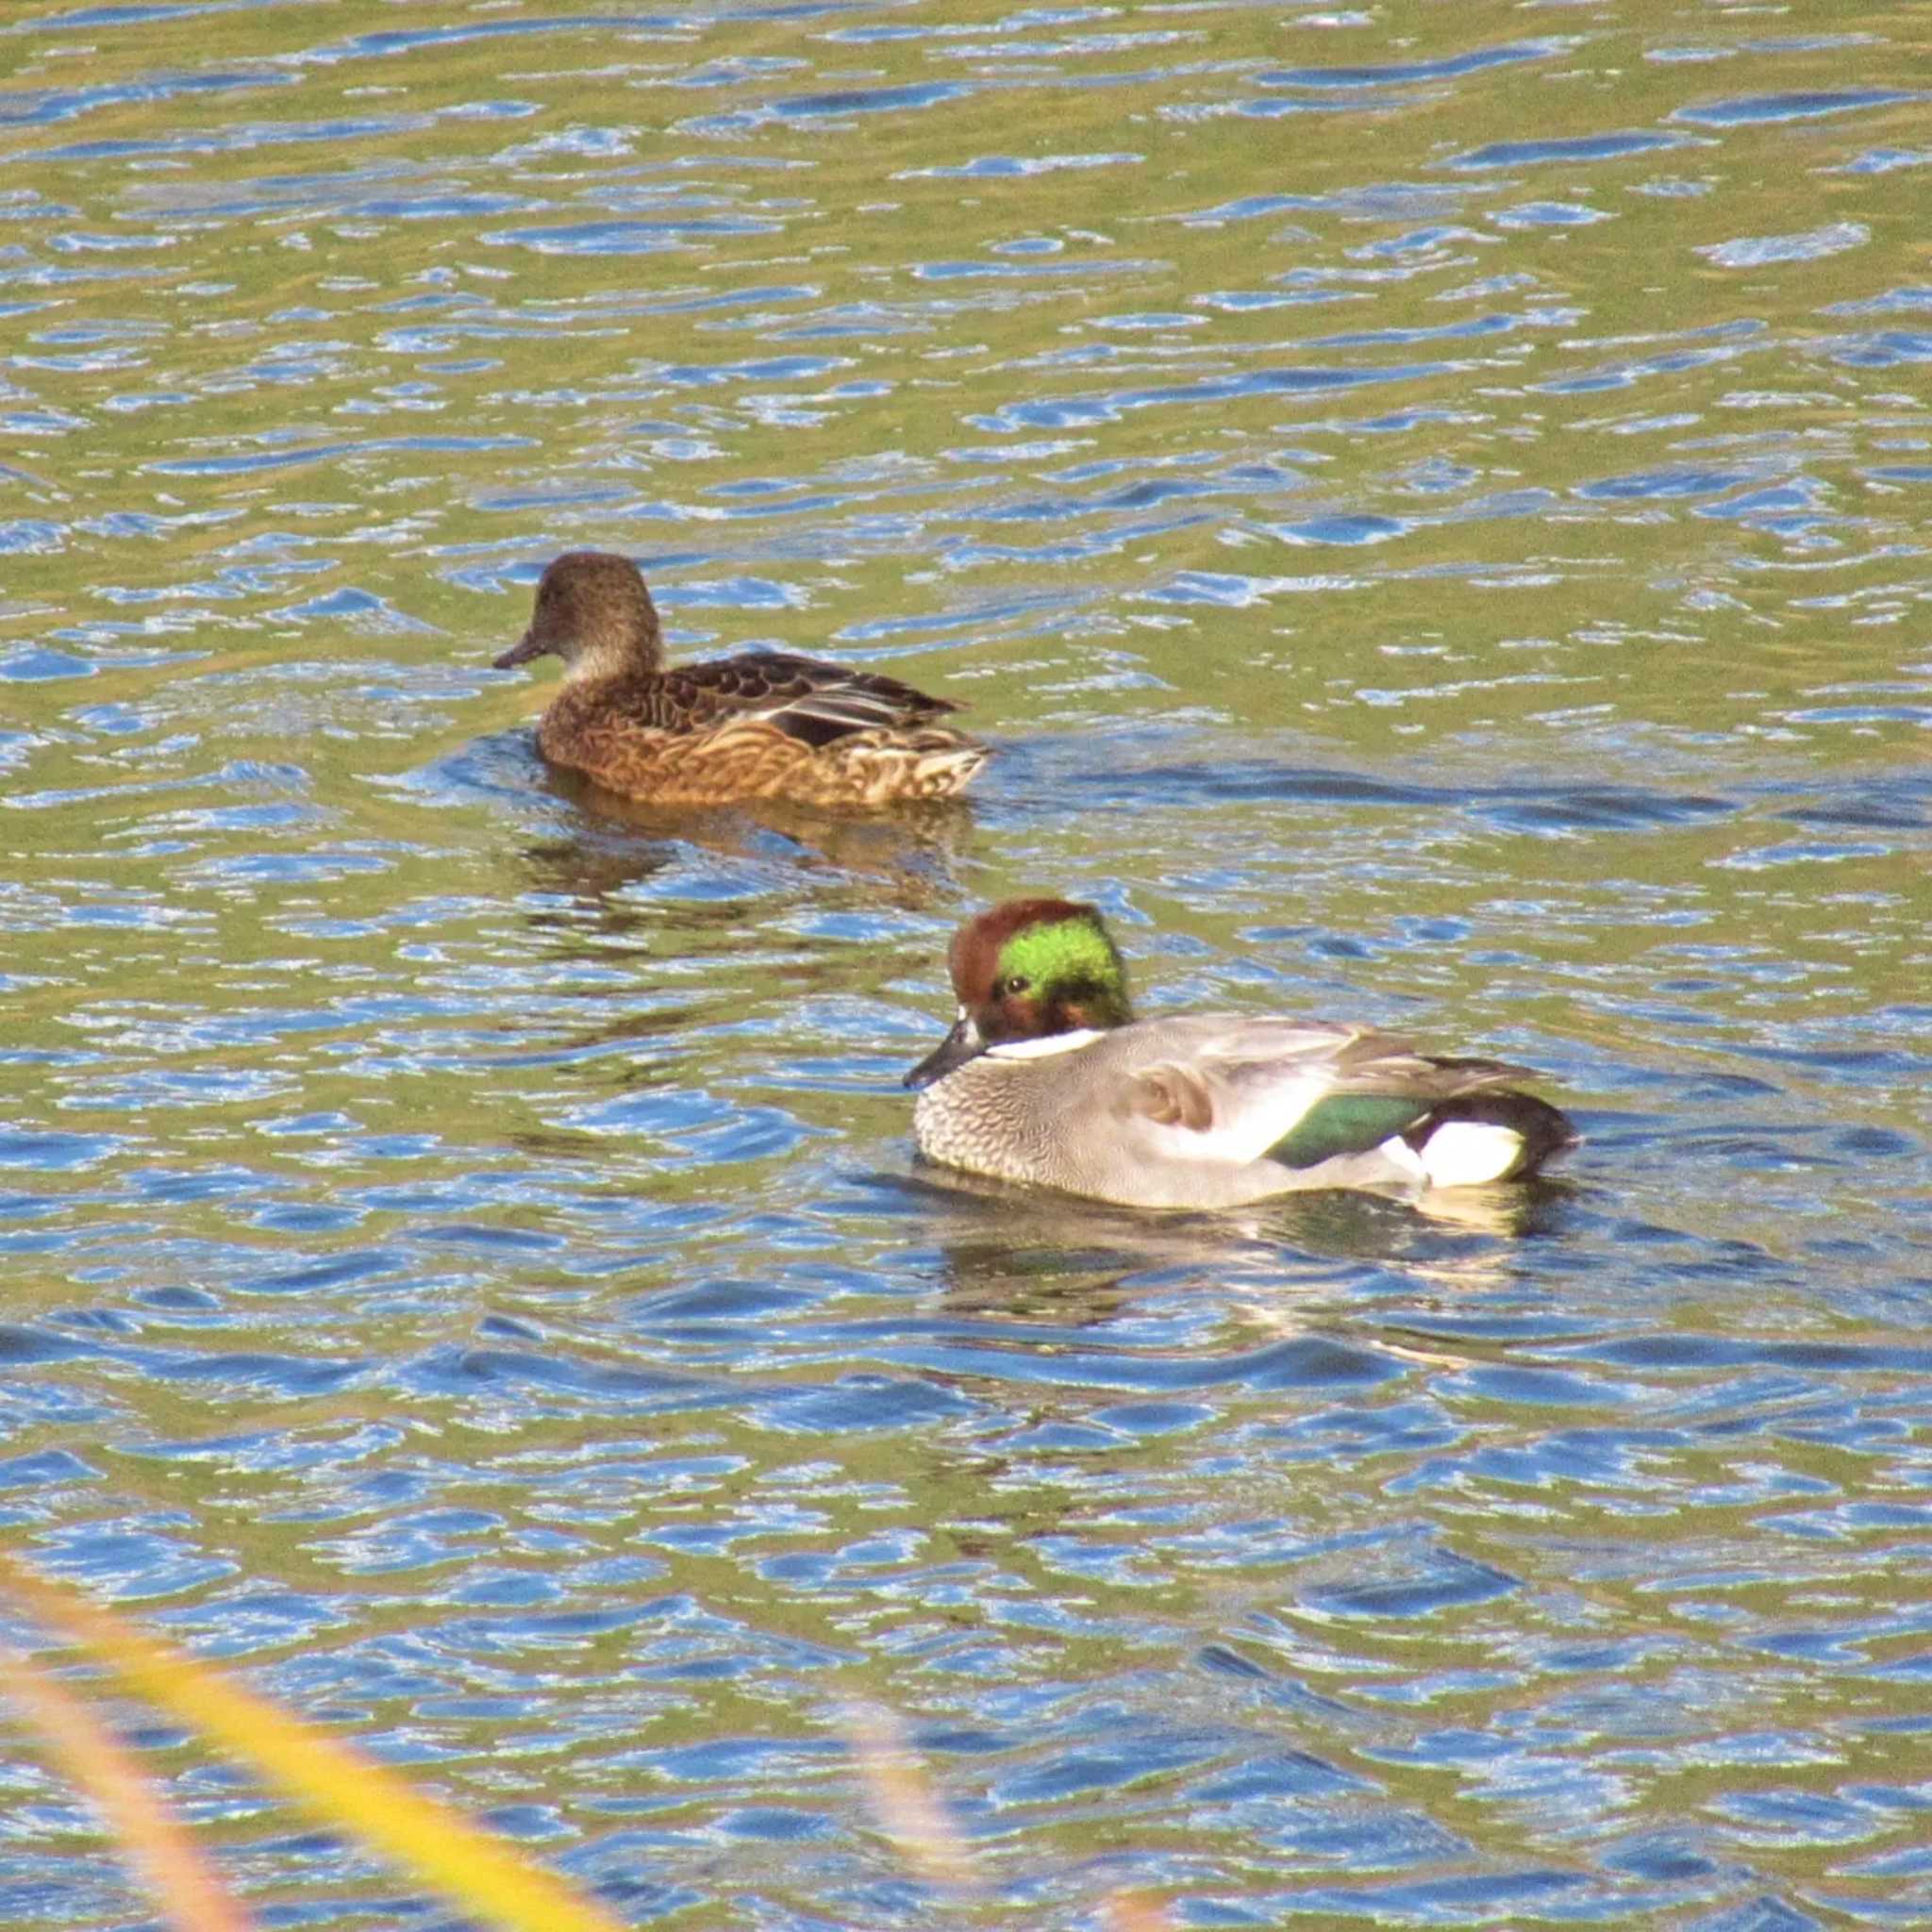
(1048, 1079)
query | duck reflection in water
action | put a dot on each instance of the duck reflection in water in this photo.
(721, 910)
(902, 857)
(1007, 1250)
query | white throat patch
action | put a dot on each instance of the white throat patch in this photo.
(1043, 1049)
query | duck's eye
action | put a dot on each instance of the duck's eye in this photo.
(1017, 982)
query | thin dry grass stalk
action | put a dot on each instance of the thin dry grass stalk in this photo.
(491, 1883)
(904, 1800)
(182, 1880)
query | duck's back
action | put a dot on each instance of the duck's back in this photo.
(762, 724)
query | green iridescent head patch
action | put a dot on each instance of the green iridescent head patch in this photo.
(1055, 955)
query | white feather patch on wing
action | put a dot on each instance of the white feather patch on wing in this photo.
(1465, 1154)
(1254, 1106)
(1402, 1157)
(839, 704)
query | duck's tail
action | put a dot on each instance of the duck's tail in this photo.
(943, 773)
(931, 763)
(1477, 1137)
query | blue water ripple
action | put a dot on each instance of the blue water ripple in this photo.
(1064, 412)
(55, 1152)
(1450, 67)
(1800, 105)
(44, 107)
(1594, 147)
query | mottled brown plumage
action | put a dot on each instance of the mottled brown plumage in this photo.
(764, 724)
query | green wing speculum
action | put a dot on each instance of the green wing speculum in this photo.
(1346, 1123)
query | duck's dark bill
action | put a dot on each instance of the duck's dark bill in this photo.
(962, 1044)
(521, 652)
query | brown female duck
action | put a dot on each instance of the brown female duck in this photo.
(763, 724)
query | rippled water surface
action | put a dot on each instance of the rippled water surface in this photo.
(1428, 502)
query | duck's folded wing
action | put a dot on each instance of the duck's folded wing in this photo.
(804, 697)
(1236, 1090)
